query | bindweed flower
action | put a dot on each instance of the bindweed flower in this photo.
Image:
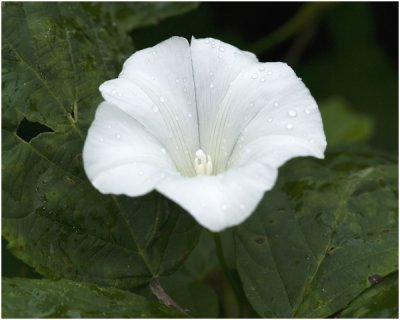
(205, 124)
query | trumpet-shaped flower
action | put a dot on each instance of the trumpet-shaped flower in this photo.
(205, 124)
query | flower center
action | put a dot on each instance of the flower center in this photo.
(203, 164)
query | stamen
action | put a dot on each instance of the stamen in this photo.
(202, 163)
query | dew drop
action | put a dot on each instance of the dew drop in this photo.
(289, 126)
(269, 72)
(207, 41)
(292, 113)
(307, 111)
(211, 86)
(163, 151)
(248, 150)
(101, 140)
(177, 80)
(113, 91)
(220, 56)
(108, 126)
(118, 136)
(241, 206)
(262, 79)
(224, 207)
(276, 104)
(262, 69)
(222, 49)
(254, 76)
(140, 173)
(189, 115)
(176, 118)
(270, 119)
(162, 99)
(155, 109)
(242, 138)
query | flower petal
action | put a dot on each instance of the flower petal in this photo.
(218, 202)
(156, 88)
(216, 65)
(121, 157)
(278, 118)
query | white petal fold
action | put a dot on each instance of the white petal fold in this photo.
(218, 202)
(156, 88)
(121, 157)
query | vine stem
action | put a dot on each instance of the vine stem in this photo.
(306, 15)
(163, 297)
(228, 273)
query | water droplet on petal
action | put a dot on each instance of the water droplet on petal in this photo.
(155, 109)
(163, 151)
(140, 173)
(177, 80)
(269, 72)
(262, 69)
(270, 119)
(276, 104)
(189, 115)
(113, 91)
(211, 86)
(176, 118)
(162, 99)
(307, 111)
(108, 126)
(118, 136)
(220, 56)
(289, 126)
(222, 49)
(224, 207)
(254, 76)
(248, 150)
(262, 79)
(101, 140)
(292, 113)
(241, 206)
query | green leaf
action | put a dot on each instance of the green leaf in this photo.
(318, 237)
(55, 55)
(343, 125)
(380, 301)
(23, 298)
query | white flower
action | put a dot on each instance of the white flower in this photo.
(205, 124)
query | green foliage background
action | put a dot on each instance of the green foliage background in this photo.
(322, 243)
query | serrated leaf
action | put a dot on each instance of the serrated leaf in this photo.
(380, 301)
(23, 298)
(55, 55)
(316, 239)
(343, 125)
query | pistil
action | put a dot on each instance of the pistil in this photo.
(203, 164)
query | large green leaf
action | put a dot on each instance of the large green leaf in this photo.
(321, 235)
(54, 58)
(380, 301)
(23, 298)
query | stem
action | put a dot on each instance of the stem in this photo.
(306, 14)
(163, 297)
(228, 273)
